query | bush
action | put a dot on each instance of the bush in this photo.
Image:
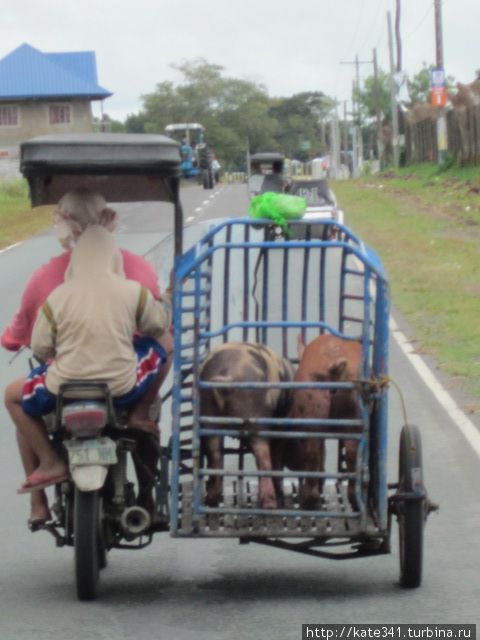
(448, 162)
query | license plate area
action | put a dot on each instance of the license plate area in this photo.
(91, 451)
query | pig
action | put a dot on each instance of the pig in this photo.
(326, 359)
(244, 362)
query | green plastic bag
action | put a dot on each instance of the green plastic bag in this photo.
(279, 207)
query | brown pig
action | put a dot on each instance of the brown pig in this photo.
(326, 359)
(244, 362)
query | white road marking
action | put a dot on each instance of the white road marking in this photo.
(10, 247)
(458, 417)
(191, 218)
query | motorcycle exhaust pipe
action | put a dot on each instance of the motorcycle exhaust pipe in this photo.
(135, 521)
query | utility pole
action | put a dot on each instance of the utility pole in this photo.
(356, 84)
(398, 39)
(442, 141)
(377, 110)
(355, 150)
(438, 34)
(334, 145)
(357, 147)
(393, 94)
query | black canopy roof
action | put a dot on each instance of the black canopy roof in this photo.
(122, 167)
(267, 156)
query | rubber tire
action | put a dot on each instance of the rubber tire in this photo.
(102, 551)
(205, 179)
(411, 514)
(87, 550)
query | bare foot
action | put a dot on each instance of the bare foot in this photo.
(44, 476)
(39, 507)
(53, 469)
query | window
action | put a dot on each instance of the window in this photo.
(8, 116)
(59, 114)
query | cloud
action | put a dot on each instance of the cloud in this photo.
(288, 47)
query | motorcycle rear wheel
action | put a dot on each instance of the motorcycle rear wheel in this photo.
(88, 546)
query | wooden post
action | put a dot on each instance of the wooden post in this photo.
(442, 120)
(377, 111)
(393, 95)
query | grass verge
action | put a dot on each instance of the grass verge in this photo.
(17, 219)
(425, 225)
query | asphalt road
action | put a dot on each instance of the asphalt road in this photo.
(185, 589)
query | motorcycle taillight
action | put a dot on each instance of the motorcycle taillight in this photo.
(85, 419)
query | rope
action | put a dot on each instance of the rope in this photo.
(402, 400)
(260, 257)
(376, 384)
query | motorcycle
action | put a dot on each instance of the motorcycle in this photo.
(99, 507)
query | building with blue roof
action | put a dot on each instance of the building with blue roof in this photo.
(44, 93)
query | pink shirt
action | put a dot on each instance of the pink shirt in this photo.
(48, 277)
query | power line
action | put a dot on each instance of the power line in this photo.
(374, 25)
(353, 39)
(427, 13)
(380, 39)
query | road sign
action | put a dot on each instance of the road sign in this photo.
(438, 78)
(439, 96)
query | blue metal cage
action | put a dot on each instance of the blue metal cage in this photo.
(247, 281)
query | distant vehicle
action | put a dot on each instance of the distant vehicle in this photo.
(190, 135)
(320, 167)
(197, 155)
(266, 173)
(188, 164)
(321, 205)
(294, 168)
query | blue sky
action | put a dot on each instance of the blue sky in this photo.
(287, 46)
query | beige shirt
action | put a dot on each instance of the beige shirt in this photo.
(87, 323)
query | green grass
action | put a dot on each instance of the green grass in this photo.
(17, 219)
(425, 225)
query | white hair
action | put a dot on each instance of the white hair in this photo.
(79, 209)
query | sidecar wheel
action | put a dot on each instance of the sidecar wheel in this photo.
(411, 513)
(88, 548)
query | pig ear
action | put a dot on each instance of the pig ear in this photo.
(337, 369)
(300, 346)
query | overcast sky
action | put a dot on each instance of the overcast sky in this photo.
(289, 46)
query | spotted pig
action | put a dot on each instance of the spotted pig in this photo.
(244, 362)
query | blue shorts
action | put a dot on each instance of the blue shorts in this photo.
(38, 401)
